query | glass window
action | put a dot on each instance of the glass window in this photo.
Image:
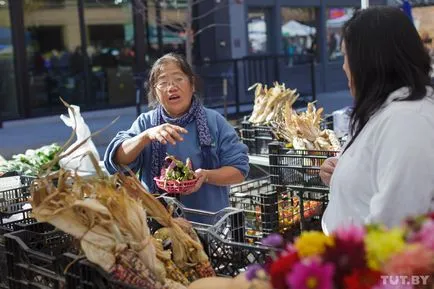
(8, 99)
(298, 34)
(257, 31)
(336, 18)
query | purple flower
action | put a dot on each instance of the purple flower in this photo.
(251, 271)
(311, 275)
(273, 240)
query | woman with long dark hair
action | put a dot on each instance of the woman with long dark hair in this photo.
(386, 170)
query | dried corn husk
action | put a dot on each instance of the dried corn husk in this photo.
(187, 252)
(100, 215)
(269, 102)
(303, 130)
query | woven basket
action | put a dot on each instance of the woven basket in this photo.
(175, 187)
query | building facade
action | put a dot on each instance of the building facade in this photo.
(46, 48)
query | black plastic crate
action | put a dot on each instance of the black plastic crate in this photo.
(262, 143)
(297, 169)
(14, 194)
(264, 131)
(247, 131)
(259, 201)
(228, 248)
(94, 277)
(269, 208)
(15, 187)
(314, 205)
(223, 235)
(37, 258)
(12, 215)
(35, 227)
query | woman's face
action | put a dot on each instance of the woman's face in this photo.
(174, 90)
(346, 68)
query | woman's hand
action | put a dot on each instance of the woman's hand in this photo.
(165, 133)
(327, 169)
(202, 177)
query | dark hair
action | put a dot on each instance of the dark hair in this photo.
(156, 70)
(385, 53)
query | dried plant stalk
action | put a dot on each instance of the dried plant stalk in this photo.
(186, 250)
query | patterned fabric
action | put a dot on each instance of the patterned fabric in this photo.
(195, 113)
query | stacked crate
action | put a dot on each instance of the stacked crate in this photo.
(298, 171)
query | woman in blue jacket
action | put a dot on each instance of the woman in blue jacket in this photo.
(180, 126)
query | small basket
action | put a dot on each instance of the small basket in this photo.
(175, 187)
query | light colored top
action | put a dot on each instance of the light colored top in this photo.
(226, 150)
(387, 174)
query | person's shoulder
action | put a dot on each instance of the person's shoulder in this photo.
(213, 114)
(146, 117)
(415, 109)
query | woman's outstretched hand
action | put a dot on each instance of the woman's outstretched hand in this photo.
(166, 133)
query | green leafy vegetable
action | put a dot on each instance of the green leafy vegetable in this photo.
(31, 161)
(174, 169)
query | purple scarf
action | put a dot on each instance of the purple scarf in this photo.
(195, 113)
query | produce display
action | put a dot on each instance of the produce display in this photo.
(273, 107)
(31, 162)
(304, 132)
(176, 177)
(108, 216)
(269, 102)
(289, 216)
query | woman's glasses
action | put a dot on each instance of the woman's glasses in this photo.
(167, 81)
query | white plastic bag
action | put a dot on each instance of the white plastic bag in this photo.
(341, 122)
(75, 161)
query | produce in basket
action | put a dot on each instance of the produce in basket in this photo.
(176, 177)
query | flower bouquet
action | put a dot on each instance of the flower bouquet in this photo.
(176, 177)
(353, 257)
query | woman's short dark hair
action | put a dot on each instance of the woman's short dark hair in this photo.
(156, 70)
(385, 53)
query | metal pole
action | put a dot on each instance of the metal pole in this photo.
(148, 38)
(323, 45)
(189, 33)
(16, 10)
(237, 88)
(159, 27)
(364, 4)
(313, 77)
(225, 97)
(83, 38)
(139, 45)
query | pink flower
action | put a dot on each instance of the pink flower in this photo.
(413, 260)
(351, 233)
(426, 234)
(311, 275)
